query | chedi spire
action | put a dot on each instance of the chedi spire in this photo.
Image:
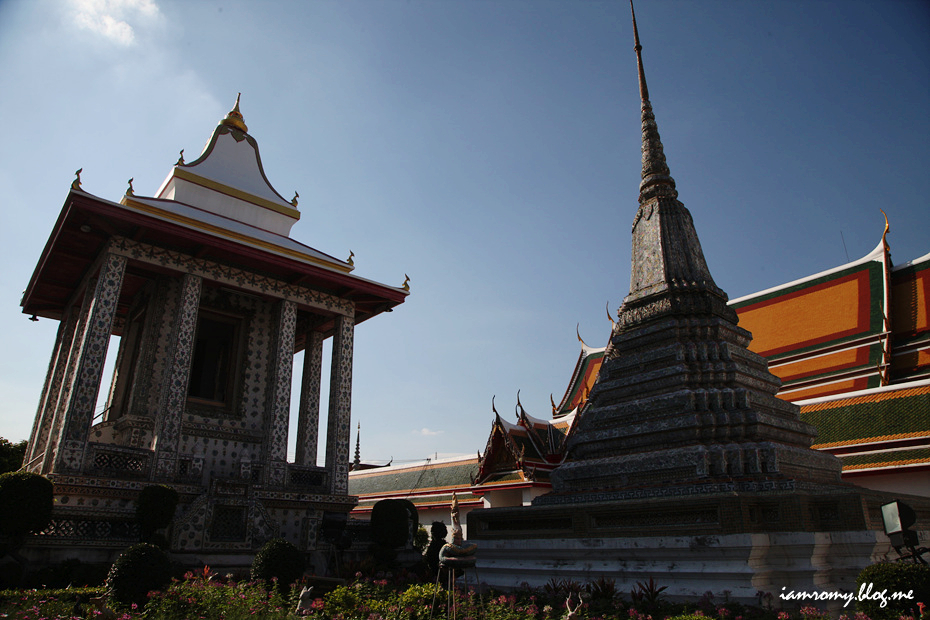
(668, 274)
(657, 178)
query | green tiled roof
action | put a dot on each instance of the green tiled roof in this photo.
(429, 476)
(920, 455)
(885, 415)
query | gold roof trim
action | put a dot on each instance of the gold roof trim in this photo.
(196, 179)
(180, 219)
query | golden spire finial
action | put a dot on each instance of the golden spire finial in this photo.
(76, 183)
(180, 159)
(234, 118)
(129, 189)
(294, 199)
(351, 256)
(406, 285)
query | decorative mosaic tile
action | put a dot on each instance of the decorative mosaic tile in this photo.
(230, 275)
(174, 392)
(280, 391)
(308, 421)
(338, 428)
(45, 416)
(79, 413)
(156, 346)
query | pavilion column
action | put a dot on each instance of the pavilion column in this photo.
(279, 404)
(48, 402)
(78, 411)
(174, 391)
(338, 429)
(308, 419)
(72, 356)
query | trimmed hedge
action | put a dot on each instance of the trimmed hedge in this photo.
(25, 503)
(278, 559)
(139, 570)
(892, 577)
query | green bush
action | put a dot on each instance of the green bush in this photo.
(137, 571)
(892, 577)
(155, 509)
(11, 455)
(25, 503)
(278, 559)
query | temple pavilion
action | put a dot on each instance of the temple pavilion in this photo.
(211, 299)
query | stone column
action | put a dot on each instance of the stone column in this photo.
(308, 420)
(79, 407)
(174, 391)
(338, 429)
(279, 402)
(45, 415)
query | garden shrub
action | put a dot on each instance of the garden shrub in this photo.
(139, 570)
(894, 577)
(155, 509)
(25, 503)
(280, 560)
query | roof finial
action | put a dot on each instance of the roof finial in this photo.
(76, 183)
(885, 234)
(578, 333)
(358, 453)
(234, 118)
(657, 179)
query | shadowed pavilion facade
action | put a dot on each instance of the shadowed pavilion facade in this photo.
(211, 299)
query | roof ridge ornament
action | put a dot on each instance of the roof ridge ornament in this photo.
(76, 183)
(234, 118)
(180, 159)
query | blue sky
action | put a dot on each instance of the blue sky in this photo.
(489, 149)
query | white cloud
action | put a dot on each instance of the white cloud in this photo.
(428, 433)
(111, 18)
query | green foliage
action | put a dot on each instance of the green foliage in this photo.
(11, 455)
(390, 522)
(420, 539)
(25, 503)
(137, 571)
(206, 596)
(155, 509)
(46, 603)
(892, 577)
(278, 560)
